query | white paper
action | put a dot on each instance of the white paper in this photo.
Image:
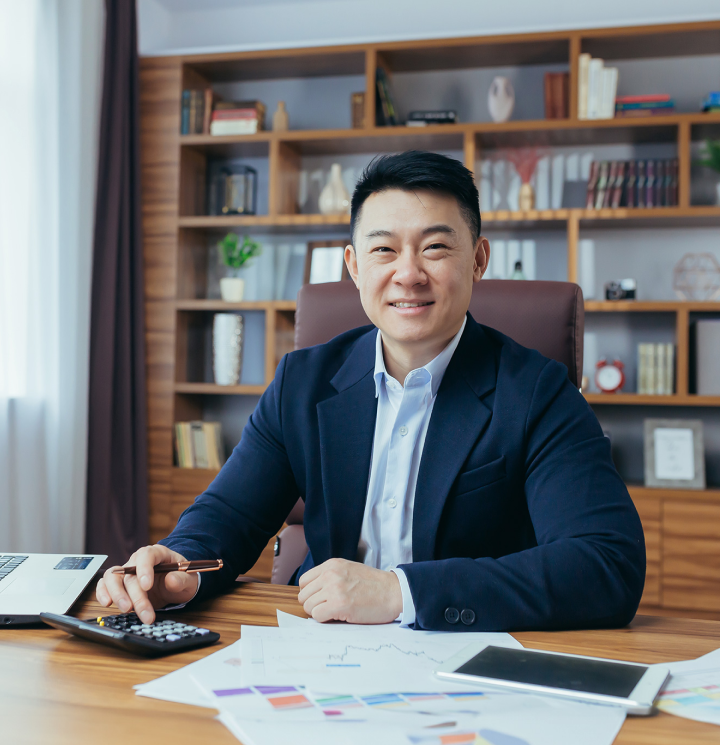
(346, 657)
(326, 264)
(557, 181)
(498, 260)
(542, 184)
(528, 254)
(513, 255)
(586, 251)
(693, 691)
(674, 459)
(485, 186)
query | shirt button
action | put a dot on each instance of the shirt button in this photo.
(403, 430)
(392, 503)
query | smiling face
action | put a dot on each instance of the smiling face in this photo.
(415, 262)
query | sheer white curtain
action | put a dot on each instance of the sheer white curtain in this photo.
(50, 86)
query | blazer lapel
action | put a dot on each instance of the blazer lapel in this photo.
(347, 428)
(458, 419)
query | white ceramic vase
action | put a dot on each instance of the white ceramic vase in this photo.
(334, 198)
(232, 289)
(227, 348)
(501, 99)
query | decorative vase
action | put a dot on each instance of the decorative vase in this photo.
(227, 348)
(501, 99)
(526, 198)
(280, 118)
(334, 198)
(232, 289)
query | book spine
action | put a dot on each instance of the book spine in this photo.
(623, 106)
(199, 444)
(583, 85)
(651, 369)
(670, 368)
(642, 369)
(357, 108)
(650, 184)
(549, 107)
(640, 198)
(595, 88)
(660, 183)
(673, 200)
(185, 113)
(602, 185)
(644, 98)
(660, 383)
(630, 184)
(193, 113)
(592, 185)
(220, 451)
(207, 110)
(234, 127)
(618, 187)
(610, 186)
(176, 445)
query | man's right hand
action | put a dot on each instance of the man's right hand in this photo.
(143, 591)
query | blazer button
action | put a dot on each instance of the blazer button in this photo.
(452, 615)
(468, 617)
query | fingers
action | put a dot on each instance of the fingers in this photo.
(311, 574)
(310, 589)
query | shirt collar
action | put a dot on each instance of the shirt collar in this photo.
(436, 367)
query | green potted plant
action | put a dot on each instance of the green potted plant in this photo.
(235, 255)
(711, 159)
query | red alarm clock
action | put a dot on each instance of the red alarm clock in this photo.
(609, 376)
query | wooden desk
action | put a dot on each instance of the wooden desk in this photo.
(58, 689)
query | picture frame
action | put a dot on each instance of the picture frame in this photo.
(326, 268)
(674, 454)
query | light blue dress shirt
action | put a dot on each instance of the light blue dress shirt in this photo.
(403, 416)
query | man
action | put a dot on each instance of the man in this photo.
(451, 478)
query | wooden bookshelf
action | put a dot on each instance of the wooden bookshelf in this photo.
(177, 232)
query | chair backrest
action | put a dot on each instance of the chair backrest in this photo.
(546, 316)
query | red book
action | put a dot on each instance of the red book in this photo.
(650, 97)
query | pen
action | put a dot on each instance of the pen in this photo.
(210, 565)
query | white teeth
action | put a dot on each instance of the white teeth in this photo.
(409, 305)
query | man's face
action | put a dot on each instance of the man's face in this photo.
(415, 262)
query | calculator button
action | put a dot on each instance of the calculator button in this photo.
(173, 637)
(189, 628)
(135, 627)
(202, 632)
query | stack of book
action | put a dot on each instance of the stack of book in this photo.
(597, 86)
(385, 114)
(425, 118)
(237, 118)
(557, 95)
(199, 445)
(656, 369)
(195, 112)
(648, 105)
(634, 183)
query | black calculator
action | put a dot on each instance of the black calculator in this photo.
(126, 631)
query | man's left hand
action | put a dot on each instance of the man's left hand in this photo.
(341, 590)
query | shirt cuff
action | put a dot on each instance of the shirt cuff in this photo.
(182, 605)
(407, 617)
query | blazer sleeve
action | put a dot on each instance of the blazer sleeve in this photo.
(588, 568)
(246, 503)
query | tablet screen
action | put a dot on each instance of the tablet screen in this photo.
(554, 671)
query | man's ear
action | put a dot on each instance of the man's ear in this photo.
(482, 258)
(351, 263)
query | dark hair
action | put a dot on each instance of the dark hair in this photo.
(414, 170)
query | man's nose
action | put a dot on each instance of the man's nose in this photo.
(409, 270)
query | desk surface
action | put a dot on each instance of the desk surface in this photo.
(58, 689)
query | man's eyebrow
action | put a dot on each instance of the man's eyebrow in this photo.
(380, 234)
(438, 229)
(441, 228)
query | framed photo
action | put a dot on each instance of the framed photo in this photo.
(325, 262)
(674, 453)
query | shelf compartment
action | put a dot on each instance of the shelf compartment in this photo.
(636, 399)
(648, 306)
(220, 305)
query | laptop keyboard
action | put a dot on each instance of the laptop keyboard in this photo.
(8, 563)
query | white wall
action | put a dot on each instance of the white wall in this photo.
(171, 26)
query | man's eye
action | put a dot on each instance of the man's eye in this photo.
(437, 245)
(382, 249)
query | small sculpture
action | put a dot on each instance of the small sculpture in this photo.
(501, 99)
(280, 118)
(525, 161)
(334, 198)
(697, 277)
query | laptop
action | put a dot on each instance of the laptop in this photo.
(34, 583)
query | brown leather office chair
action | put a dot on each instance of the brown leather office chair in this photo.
(546, 316)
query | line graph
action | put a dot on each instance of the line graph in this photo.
(378, 648)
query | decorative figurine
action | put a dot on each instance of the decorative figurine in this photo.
(501, 99)
(334, 198)
(525, 161)
(609, 377)
(697, 277)
(280, 118)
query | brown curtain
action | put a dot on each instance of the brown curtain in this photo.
(117, 508)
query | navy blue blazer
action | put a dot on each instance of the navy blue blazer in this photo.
(520, 515)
